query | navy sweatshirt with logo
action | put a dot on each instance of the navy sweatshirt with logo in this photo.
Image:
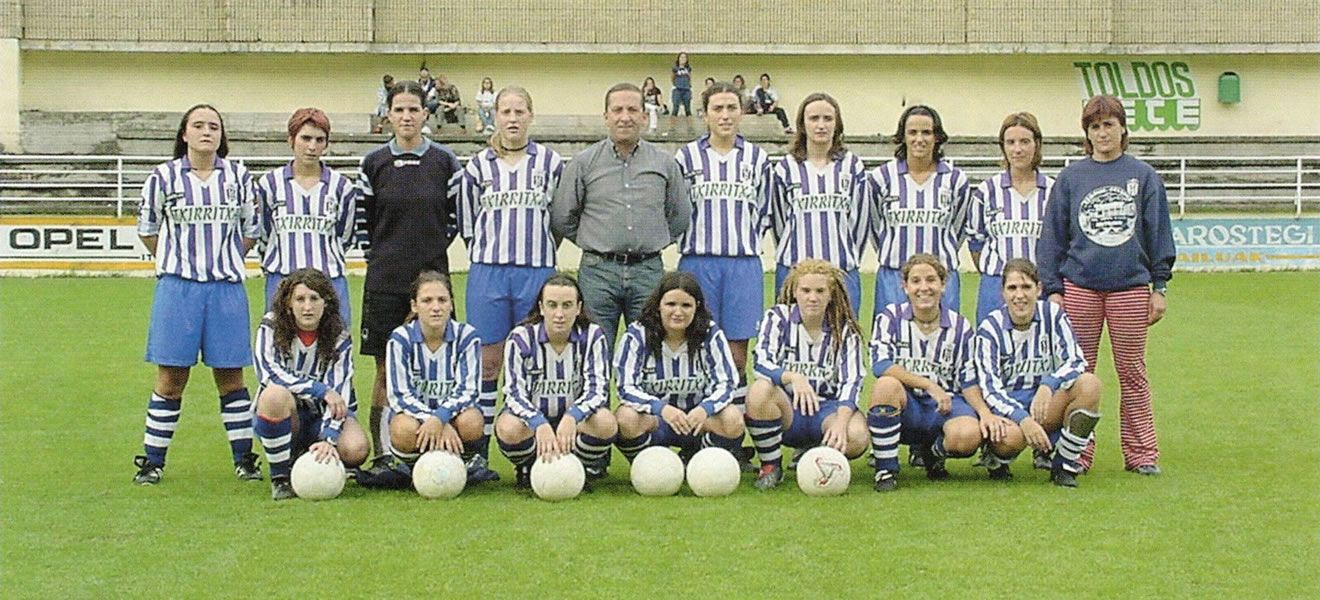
(1106, 227)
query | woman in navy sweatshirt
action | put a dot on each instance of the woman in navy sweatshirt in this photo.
(1106, 254)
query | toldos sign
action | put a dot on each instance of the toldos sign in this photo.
(1157, 95)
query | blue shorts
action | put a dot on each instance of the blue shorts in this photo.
(807, 432)
(733, 286)
(499, 296)
(922, 421)
(889, 290)
(188, 317)
(989, 296)
(852, 279)
(664, 435)
(339, 284)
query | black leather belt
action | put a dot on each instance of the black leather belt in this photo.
(622, 258)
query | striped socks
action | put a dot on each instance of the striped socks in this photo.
(236, 413)
(767, 436)
(519, 453)
(885, 424)
(277, 439)
(162, 420)
(486, 402)
(631, 448)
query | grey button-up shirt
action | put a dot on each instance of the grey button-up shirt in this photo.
(606, 203)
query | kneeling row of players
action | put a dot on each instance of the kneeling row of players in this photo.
(944, 388)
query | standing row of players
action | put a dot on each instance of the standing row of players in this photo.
(205, 213)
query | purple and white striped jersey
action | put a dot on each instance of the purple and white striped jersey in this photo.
(913, 219)
(648, 385)
(944, 356)
(1003, 224)
(784, 345)
(504, 211)
(819, 213)
(306, 228)
(421, 383)
(299, 373)
(541, 384)
(729, 195)
(200, 224)
(1010, 360)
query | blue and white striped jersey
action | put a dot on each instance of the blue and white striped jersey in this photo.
(913, 219)
(541, 384)
(1009, 360)
(784, 345)
(200, 224)
(944, 356)
(1003, 224)
(504, 211)
(306, 228)
(299, 373)
(729, 195)
(819, 213)
(647, 384)
(421, 383)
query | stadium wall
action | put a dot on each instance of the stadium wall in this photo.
(1166, 94)
(11, 103)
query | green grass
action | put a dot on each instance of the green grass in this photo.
(1234, 370)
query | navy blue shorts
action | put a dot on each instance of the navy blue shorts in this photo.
(382, 312)
(188, 317)
(499, 296)
(922, 421)
(807, 432)
(733, 286)
(664, 435)
(308, 431)
(339, 284)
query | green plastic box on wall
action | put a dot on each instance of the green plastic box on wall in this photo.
(1230, 88)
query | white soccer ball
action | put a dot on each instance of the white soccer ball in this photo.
(657, 471)
(713, 472)
(317, 481)
(439, 474)
(823, 471)
(561, 479)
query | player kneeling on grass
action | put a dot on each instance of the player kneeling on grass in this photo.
(432, 378)
(304, 361)
(676, 375)
(1032, 371)
(556, 380)
(809, 371)
(926, 395)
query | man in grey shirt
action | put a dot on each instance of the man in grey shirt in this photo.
(622, 200)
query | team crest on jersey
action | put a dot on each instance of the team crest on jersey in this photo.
(945, 197)
(946, 354)
(1043, 347)
(538, 180)
(845, 186)
(744, 172)
(231, 193)
(1133, 187)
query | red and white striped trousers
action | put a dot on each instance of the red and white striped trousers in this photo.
(1126, 313)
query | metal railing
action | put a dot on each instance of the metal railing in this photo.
(101, 184)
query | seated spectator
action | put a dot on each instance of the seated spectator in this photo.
(767, 102)
(428, 85)
(486, 105)
(451, 104)
(710, 81)
(748, 103)
(654, 102)
(382, 105)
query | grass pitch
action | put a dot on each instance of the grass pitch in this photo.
(1234, 368)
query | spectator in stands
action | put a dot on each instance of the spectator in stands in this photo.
(382, 110)
(486, 105)
(682, 80)
(451, 104)
(748, 103)
(428, 85)
(709, 83)
(655, 103)
(766, 102)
